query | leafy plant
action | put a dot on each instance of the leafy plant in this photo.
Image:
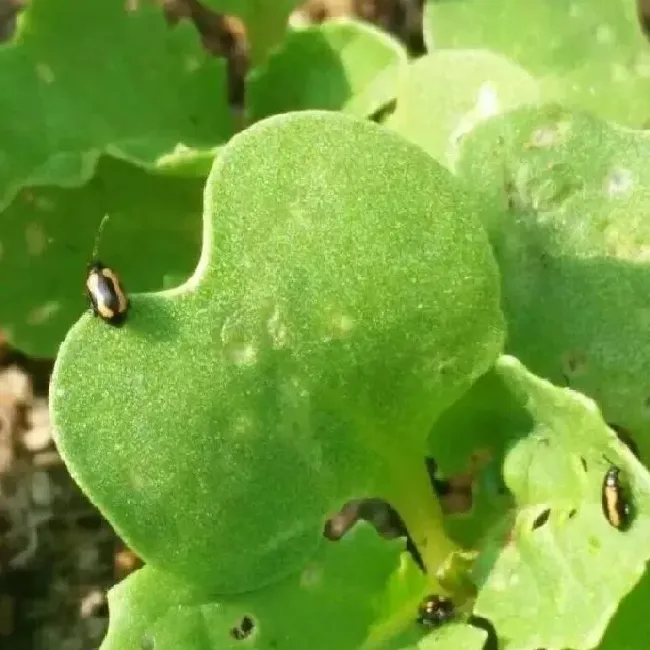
(444, 310)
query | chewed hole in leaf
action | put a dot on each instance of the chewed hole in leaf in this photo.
(381, 114)
(383, 517)
(375, 511)
(541, 519)
(455, 491)
(243, 629)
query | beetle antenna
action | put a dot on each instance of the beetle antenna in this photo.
(102, 223)
(611, 462)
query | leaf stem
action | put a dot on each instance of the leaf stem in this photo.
(411, 494)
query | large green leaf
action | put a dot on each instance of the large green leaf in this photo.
(593, 53)
(84, 78)
(445, 94)
(572, 242)
(556, 579)
(48, 235)
(339, 306)
(337, 65)
(355, 591)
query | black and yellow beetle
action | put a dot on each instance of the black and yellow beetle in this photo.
(615, 501)
(435, 610)
(106, 294)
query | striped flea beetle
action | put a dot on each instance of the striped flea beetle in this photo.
(435, 611)
(106, 294)
(615, 502)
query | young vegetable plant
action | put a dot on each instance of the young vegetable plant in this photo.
(461, 286)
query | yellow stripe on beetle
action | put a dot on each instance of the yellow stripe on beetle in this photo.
(615, 503)
(108, 299)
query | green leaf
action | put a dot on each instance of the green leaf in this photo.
(630, 626)
(142, 598)
(339, 306)
(48, 236)
(444, 95)
(339, 599)
(534, 582)
(452, 636)
(341, 65)
(472, 437)
(572, 241)
(71, 95)
(266, 22)
(592, 54)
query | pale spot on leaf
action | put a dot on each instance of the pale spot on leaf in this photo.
(604, 34)
(35, 238)
(619, 182)
(45, 73)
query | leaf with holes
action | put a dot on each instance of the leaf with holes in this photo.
(74, 95)
(337, 65)
(48, 235)
(572, 194)
(482, 424)
(335, 312)
(558, 558)
(592, 54)
(444, 95)
(345, 596)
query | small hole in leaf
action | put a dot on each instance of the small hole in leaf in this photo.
(384, 112)
(584, 463)
(574, 363)
(541, 519)
(243, 629)
(375, 511)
